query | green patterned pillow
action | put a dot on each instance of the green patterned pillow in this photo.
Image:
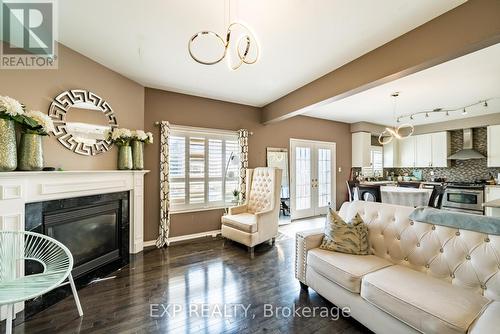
(350, 238)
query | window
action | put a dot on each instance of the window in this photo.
(376, 162)
(198, 160)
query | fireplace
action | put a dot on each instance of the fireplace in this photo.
(94, 228)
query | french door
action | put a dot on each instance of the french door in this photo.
(312, 177)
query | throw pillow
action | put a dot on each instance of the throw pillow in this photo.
(350, 238)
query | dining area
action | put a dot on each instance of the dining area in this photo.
(397, 193)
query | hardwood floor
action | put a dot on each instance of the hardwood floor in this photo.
(197, 273)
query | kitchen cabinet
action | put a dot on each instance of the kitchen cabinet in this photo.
(407, 149)
(493, 146)
(391, 154)
(423, 150)
(492, 193)
(361, 144)
(441, 149)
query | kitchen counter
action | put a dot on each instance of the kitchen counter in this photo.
(492, 204)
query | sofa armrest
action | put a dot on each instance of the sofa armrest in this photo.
(304, 241)
(236, 210)
(488, 321)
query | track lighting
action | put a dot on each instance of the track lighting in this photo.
(447, 112)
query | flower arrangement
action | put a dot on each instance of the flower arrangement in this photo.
(11, 109)
(37, 123)
(32, 121)
(142, 136)
(121, 136)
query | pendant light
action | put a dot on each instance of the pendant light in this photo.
(391, 133)
(239, 40)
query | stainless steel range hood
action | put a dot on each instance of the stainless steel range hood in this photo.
(467, 152)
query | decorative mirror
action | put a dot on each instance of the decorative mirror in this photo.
(82, 121)
(278, 157)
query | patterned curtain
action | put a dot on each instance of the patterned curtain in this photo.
(164, 227)
(243, 143)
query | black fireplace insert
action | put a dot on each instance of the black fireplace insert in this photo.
(94, 228)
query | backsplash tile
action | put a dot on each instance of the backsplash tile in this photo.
(459, 171)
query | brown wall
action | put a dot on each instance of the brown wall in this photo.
(37, 88)
(182, 109)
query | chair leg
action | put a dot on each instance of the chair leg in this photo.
(8, 322)
(251, 251)
(75, 295)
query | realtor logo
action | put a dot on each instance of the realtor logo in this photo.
(28, 34)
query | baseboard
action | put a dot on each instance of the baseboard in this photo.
(171, 240)
(149, 243)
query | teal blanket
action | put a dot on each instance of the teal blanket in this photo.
(465, 221)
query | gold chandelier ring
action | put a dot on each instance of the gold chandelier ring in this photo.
(212, 34)
(406, 126)
(385, 134)
(247, 38)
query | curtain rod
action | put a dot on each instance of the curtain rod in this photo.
(158, 123)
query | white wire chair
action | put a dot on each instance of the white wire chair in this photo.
(55, 259)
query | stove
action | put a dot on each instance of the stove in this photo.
(466, 185)
(467, 197)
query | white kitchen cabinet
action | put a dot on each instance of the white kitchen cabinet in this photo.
(391, 154)
(493, 146)
(492, 193)
(423, 150)
(407, 152)
(361, 144)
(441, 149)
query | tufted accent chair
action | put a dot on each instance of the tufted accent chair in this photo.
(420, 277)
(256, 220)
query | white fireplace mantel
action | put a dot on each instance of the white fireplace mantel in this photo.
(19, 188)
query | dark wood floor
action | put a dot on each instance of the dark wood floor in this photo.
(197, 273)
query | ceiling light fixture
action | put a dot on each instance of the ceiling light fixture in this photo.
(239, 39)
(390, 133)
(447, 112)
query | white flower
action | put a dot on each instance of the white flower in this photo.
(42, 119)
(139, 135)
(10, 106)
(150, 137)
(121, 133)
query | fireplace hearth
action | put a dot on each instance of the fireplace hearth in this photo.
(94, 228)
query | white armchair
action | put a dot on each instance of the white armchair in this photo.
(256, 220)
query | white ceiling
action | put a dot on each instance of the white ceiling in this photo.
(300, 40)
(453, 84)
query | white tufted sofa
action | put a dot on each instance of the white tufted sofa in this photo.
(420, 278)
(256, 221)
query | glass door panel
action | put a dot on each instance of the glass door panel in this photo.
(324, 177)
(303, 177)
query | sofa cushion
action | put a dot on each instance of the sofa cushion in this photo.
(344, 269)
(426, 303)
(245, 222)
(350, 238)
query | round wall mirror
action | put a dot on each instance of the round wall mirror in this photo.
(82, 121)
